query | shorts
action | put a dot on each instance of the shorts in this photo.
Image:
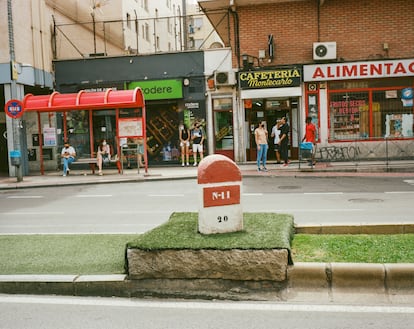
(140, 148)
(277, 147)
(197, 148)
(187, 143)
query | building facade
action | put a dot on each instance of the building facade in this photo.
(348, 65)
(44, 31)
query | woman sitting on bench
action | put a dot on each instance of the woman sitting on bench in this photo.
(103, 155)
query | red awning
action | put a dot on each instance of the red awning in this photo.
(83, 100)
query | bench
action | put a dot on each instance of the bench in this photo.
(93, 163)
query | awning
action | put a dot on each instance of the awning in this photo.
(83, 100)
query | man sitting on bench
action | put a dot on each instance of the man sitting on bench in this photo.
(68, 155)
(103, 156)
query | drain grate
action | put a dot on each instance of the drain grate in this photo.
(289, 187)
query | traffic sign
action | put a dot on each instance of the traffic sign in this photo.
(14, 108)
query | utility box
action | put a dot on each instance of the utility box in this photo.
(219, 181)
(15, 158)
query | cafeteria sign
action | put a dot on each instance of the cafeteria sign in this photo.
(14, 108)
(279, 78)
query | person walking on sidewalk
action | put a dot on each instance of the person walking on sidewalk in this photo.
(68, 155)
(276, 136)
(261, 136)
(310, 137)
(284, 142)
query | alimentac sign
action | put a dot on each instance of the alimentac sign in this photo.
(278, 78)
(359, 70)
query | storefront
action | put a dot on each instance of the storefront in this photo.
(166, 108)
(362, 101)
(268, 95)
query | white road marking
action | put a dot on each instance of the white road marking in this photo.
(137, 212)
(166, 195)
(25, 197)
(234, 306)
(399, 192)
(323, 193)
(252, 194)
(34, 213)
(93, 195)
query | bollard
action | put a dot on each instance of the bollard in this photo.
(219, 181)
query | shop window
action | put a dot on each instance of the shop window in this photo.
(392, 114)
(346, 121)
(381, 108)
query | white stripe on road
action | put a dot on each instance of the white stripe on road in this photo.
(166, 195)
(234, 306)
(93, 195)
(36, 213)
(323, 193)
(399, 192)
(25, 197)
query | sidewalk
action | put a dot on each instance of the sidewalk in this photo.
(84, 176)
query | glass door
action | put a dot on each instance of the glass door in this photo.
(223, 126)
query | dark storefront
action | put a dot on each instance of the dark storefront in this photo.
(173, 87)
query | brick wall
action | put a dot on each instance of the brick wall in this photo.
(360, 28)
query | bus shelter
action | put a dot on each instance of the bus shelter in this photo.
(87, 117)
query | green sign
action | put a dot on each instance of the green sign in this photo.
(159, 89)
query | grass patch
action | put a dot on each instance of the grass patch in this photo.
(63, 254)
(260, 231)
(105, 254)
(362, 248)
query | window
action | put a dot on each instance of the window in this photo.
(380, 108)
(344, 111)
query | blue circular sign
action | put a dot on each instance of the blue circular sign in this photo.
(14, 108)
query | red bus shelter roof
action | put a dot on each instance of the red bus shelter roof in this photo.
(83, 100)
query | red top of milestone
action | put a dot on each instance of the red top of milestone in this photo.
(217, 168)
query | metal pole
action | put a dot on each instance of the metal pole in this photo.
(13, 90)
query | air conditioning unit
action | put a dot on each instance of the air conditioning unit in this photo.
(225, 78)
(324, 51)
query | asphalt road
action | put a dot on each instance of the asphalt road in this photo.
(138, 207)
(48, 312)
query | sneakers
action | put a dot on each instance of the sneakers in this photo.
(195, 164)
(264, 169)
(258, 169)
(100, 173)
(285, 165)
(182, 165)
(188, 164)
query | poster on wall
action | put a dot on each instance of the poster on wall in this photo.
(130, 127)
(399, 125)
(49, 136)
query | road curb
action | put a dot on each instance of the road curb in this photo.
(356, 229)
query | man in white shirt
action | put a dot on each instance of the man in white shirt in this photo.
(68, 155)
